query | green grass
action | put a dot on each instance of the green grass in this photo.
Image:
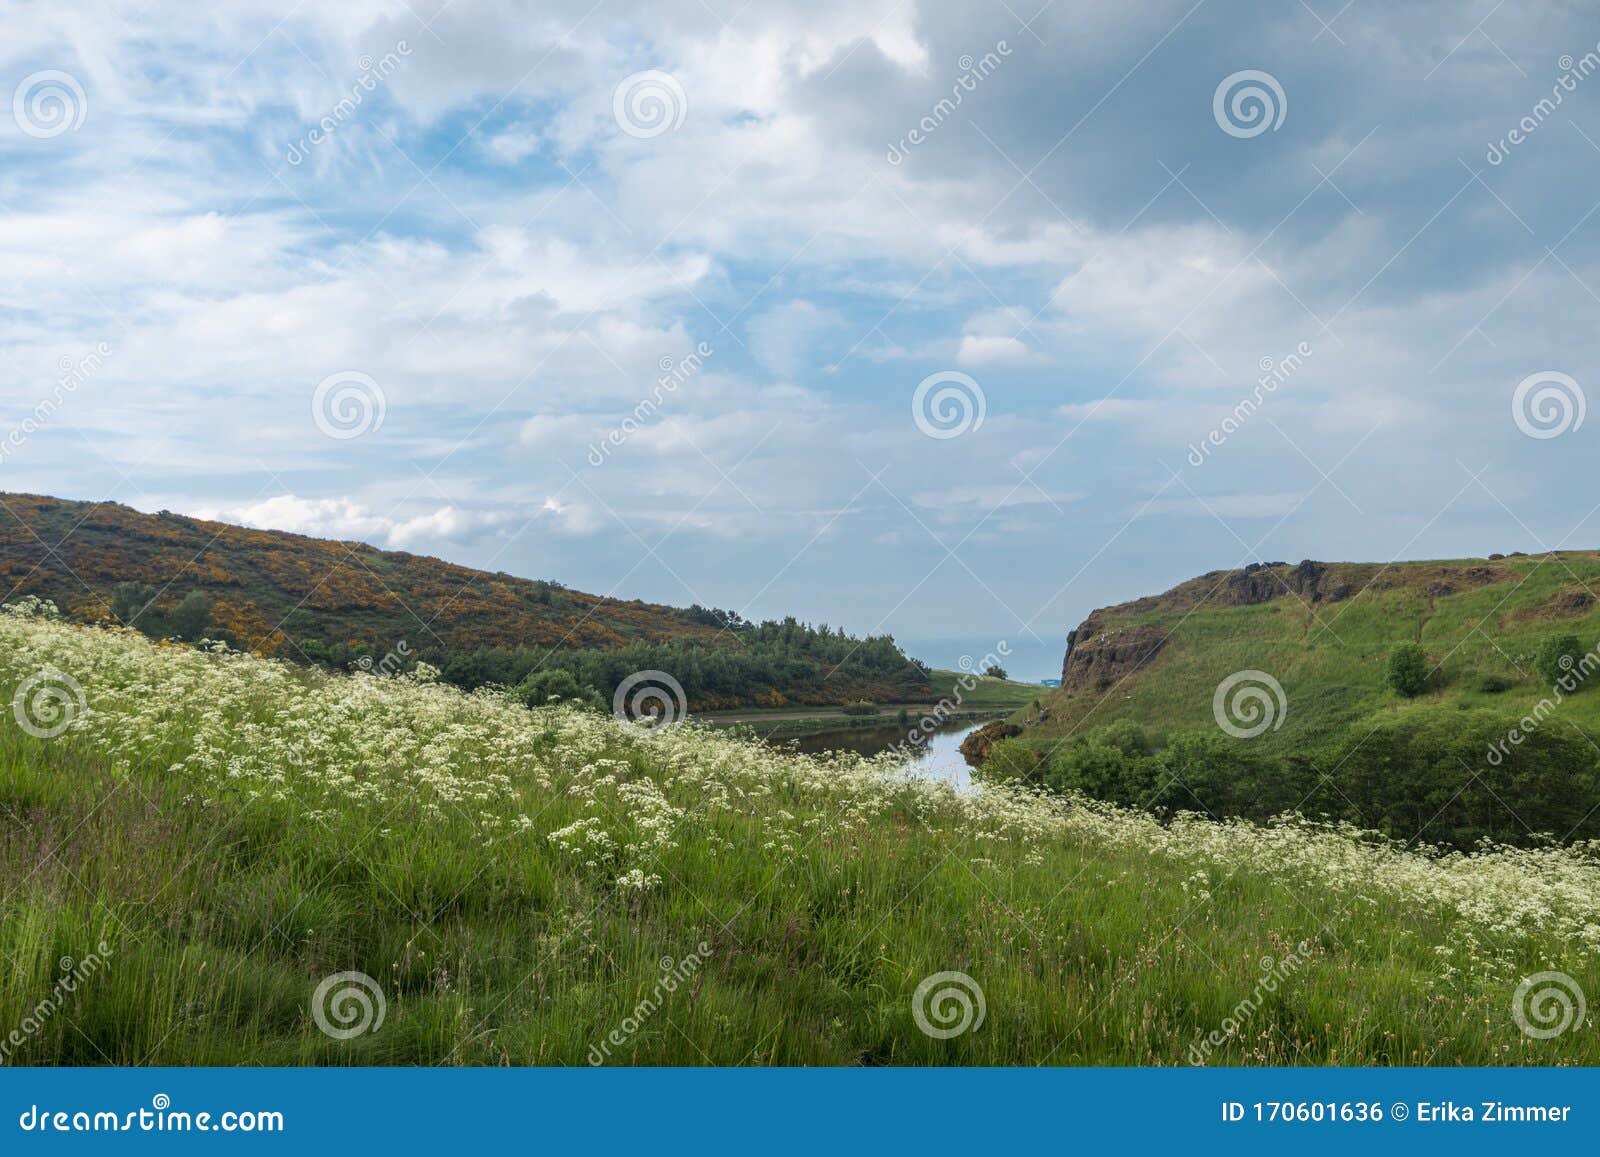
(1330, 655)
(984, 694)
(823, 894)
(224, 919)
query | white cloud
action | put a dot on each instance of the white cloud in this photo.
(982, 351)
(346, 519)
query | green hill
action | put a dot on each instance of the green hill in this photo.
(347, 604)
(1338, 740)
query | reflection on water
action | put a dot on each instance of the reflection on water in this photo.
(938, 758)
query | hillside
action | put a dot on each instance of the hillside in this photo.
(348, 603)
(1324, 631)
(273, 865)
(1145, 674)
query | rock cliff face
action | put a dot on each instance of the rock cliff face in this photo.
(1098, 657)
(1101, 651)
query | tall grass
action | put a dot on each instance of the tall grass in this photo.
(518, 885)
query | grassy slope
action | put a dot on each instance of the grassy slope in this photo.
(984, 694)
(823, 894)
(1330, 655)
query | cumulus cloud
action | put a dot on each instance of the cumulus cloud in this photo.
(344, 518)
(518, 273)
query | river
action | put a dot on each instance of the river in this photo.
(938, 758)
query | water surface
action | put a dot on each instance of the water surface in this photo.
(938, 757)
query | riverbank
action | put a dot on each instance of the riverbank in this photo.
(976, 700)
(777, 725)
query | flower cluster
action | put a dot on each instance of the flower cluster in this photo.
(625, 806)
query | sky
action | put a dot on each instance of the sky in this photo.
(948, 320)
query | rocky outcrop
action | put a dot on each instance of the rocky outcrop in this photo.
(1098, 657)
(975, 747)
(1262, 582)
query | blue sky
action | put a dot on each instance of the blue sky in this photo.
(414, 326)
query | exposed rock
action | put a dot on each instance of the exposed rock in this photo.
(975, 747)
(1099, 660)
(1573, 602)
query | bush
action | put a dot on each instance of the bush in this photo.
(1009, 760)
(1440, 776)
(1408, 670)
(1558, 657)
(860, 707)
(546, 687)
(1494, 684)
(995, 671)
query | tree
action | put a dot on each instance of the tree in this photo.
(1559, 658)
(1408, 670)
(132, 603)
(192, 618)
(995, 671)
(545, 687)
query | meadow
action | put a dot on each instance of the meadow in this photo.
(277, 865)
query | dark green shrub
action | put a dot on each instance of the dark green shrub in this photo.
(1012, 760)
(545, 687)
(1438, 775)
(1494, 684)
(1559, 658)
(1408, 670)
